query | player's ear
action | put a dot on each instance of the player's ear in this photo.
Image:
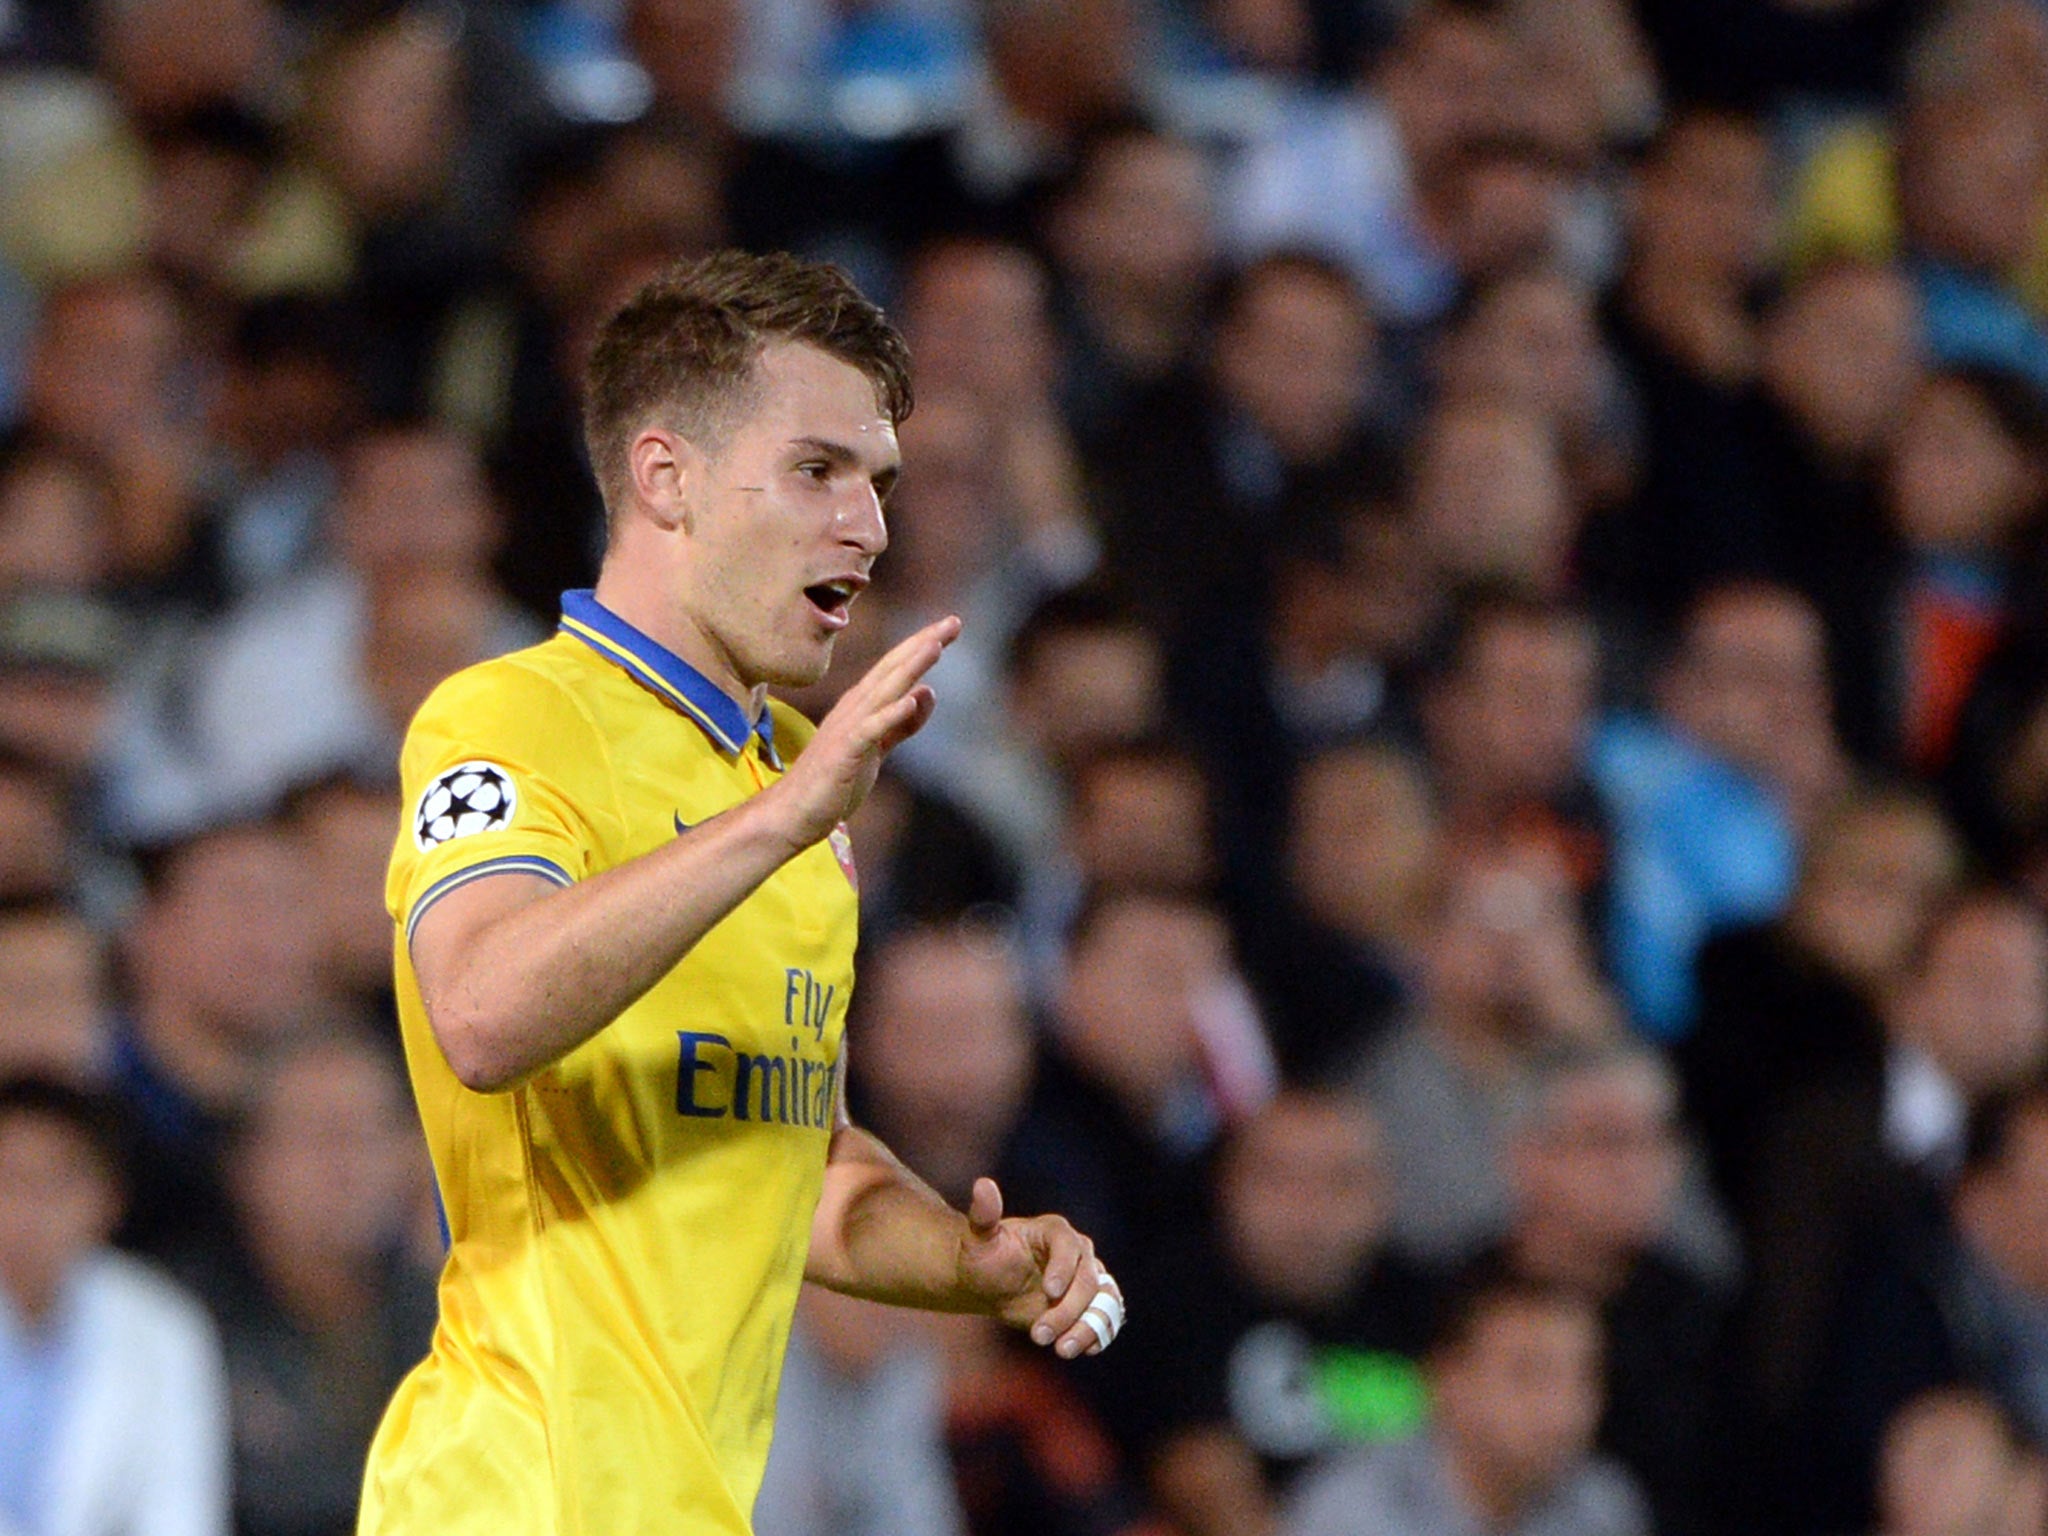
(667, 473)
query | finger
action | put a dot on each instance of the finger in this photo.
(1103, 1317)
(1061, 1323)
(907, 661)
(920, 658)
(890, 723)
(1064, 1249)
(922, 702)
(876, 682)
(985, 1210)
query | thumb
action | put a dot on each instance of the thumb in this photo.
(985, 1211)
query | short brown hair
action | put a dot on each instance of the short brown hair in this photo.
(687, 344)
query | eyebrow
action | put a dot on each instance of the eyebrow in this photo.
(843, 457)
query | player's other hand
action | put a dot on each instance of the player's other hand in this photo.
(1037, 1272)
(834, 773)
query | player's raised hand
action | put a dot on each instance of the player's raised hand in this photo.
(1037, 1272)
(889, 705)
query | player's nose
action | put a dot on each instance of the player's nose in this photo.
(862, 525)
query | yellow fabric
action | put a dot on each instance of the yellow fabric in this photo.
(1845, 202)
(1844, 198)
(629, 1228)
(87, 215)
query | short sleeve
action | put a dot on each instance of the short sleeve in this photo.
(502, 772)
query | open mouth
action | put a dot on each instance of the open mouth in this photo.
(832, 599)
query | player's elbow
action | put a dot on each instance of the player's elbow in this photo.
(477, 1048)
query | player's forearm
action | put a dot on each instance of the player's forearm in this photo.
(883, 1234)
(536, 981)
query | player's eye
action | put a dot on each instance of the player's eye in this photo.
(815, 469)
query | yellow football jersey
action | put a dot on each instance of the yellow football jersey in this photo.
(628, 1228)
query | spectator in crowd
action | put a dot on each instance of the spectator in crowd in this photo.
(345, 831)
(1505, 971)
(1502, 202)
(1187, 482)
(1950, 1465)
(1507, 717)
(113, 1406)
(1133, 240)
(1364, 849)
(1156, 1048)
(1294, 1332)
(1338, 175)
(37, 855)
(1139, 818)
(1966, 487)
(1971, 159)
(62, 633)
(1786, 1080)
(319, 673)
(55, 1009)
(1841, 359)
(1593, 1165)
(411, 124)
(1082, 674)
(285, 405)
(320, 1304)
(1970, 1019)
(1530, 342)
(56, 515)
(1343, 957)
(1683, 326)
(1948, 1294)
(947, 1050)
(1489, 497)
(1514, 1378)
(1793, 1005)
(1330, 657)
(978, 313)
(860, 1446)
(103, 379)
(174, 134)
(217, 965)
(1708, 795)
(961, 1427)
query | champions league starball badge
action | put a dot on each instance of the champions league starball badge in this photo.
(463, 801)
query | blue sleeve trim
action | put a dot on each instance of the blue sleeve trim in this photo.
(510, 864)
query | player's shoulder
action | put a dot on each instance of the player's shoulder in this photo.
(532, 705)
(540, 682)
(793, 729)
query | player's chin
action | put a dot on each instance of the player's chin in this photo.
(799, 665)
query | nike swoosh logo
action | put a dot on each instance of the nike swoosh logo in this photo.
(682, 826)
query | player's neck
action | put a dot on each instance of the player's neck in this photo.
(644, 603)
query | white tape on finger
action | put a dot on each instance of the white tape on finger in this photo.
(1099, 1326)
(1112, 1305)
(1105, 1314)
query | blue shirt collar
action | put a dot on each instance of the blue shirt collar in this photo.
(660, 670)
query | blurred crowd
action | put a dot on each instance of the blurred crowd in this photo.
(1487, 834)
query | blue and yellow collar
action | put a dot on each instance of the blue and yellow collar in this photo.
(660, 670)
